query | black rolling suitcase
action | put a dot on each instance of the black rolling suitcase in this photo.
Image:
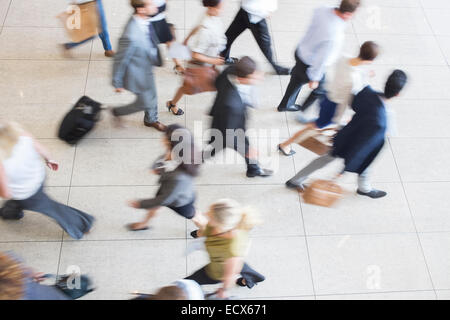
(80, 120)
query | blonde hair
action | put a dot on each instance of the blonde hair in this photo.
(9, 135)
(11, 278)
(228, 214)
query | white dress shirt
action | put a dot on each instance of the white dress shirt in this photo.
(322, 43)
(144, 24)
(259, 9)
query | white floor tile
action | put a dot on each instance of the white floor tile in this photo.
(367, 264)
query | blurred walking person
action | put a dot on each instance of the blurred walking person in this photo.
(165, 31)
(361, 140)
(178, 169)
(103, 35)
(207, 40)
(350, 77)
(319, 48)
(133, 65)
(226, 227)
(235, 93)
(18, 282)
(252, 15)
(22, 177)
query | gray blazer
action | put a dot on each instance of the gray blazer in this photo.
(135, 58)
(176, 190)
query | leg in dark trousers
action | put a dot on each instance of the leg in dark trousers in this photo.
(239, 24)
(298, 79)
(75, 222)
(261, 34)
(201, 277)
(251, 276)
(317, 93)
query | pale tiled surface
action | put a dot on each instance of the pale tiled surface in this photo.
(393, 248)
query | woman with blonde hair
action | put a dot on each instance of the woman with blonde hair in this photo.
(226, 227)
(22, 177)
(18, 282)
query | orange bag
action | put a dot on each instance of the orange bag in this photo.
(83, 22)
(323, 193)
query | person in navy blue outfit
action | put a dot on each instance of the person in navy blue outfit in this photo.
(361, 140)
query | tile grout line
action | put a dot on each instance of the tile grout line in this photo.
(404, 190)
(413, 220)
(299, 199)
(434, 34)
(6, 15)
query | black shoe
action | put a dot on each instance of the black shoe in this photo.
(231, 61)
(259, 172)
(299, 188)
(11, 214)
(282, 71)
(292, 108)
(194, 234)
(374, 194)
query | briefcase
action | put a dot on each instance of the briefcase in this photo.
(323, 193)
(81, 21)
(316, 141)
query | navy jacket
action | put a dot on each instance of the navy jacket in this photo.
(360, 141)
(228, 111)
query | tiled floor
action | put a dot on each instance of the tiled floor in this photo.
(394, 248)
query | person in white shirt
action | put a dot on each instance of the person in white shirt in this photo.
(318, 49)
(22, 177)
(350, 77)
(205, 41)
(252, 15)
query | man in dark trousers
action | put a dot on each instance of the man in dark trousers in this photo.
(229, 112)
(360, 141)
(252, 15)
(318, 49)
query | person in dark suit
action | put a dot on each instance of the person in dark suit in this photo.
(133, 65)
(229, 113)
(361, 140)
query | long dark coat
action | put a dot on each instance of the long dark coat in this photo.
(360, 141)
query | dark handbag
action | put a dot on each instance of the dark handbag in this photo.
(80, 120)
(74, 288)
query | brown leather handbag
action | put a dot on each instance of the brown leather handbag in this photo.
(316, 141)
(323, 193)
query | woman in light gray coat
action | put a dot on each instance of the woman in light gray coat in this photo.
(177, 168)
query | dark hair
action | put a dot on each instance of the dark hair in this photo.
(369, 51)
(176, 134)
(137, 4)
(244, 67)
(349, 6)
(395, 83)
(211, 3)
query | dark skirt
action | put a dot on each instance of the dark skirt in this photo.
(327, 111)
(162, 29)
(187, 211)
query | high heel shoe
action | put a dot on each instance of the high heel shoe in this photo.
(169, 106)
